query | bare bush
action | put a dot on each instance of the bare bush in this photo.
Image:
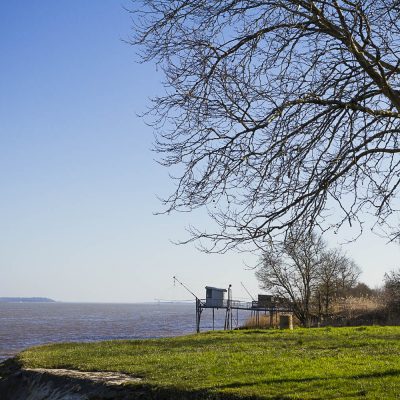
(352, 307)
(263, 321)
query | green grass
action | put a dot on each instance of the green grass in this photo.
(325, 363)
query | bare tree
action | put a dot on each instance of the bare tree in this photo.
(337, 275)
(302, 270)
(292, 270)
(276, 112)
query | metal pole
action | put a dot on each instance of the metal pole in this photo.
(198, 315)
(230, 306)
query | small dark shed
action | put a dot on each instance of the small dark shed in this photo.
(265, 300)
(215, 297)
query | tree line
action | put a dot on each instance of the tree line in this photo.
(319, 282)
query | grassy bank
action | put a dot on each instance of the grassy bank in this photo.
(326, 363)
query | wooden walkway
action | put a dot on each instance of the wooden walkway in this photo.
(256, 308)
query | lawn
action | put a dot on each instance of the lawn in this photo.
(324, 363)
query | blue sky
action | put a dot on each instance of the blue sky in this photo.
(78, 179)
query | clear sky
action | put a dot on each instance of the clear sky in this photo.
(78, 182)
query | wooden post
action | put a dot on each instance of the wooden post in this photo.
(228, 315)
(198, 315)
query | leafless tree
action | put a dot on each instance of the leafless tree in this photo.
(292, 270)
(337, 275)
(276, 112)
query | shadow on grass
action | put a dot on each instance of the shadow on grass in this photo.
(391, 372)
(383, 374)
(286, 385)
(271, 381)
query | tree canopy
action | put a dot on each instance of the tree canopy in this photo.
(277, 112)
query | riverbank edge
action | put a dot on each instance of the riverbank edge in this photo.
(17, 383)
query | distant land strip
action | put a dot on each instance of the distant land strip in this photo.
(26, 300)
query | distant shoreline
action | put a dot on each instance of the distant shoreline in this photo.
(26, 300)
(48, 300)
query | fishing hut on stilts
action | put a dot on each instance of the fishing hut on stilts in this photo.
(278, 309)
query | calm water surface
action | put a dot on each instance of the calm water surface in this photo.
(28, 324)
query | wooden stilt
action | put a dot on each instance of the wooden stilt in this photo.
(198, 315)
